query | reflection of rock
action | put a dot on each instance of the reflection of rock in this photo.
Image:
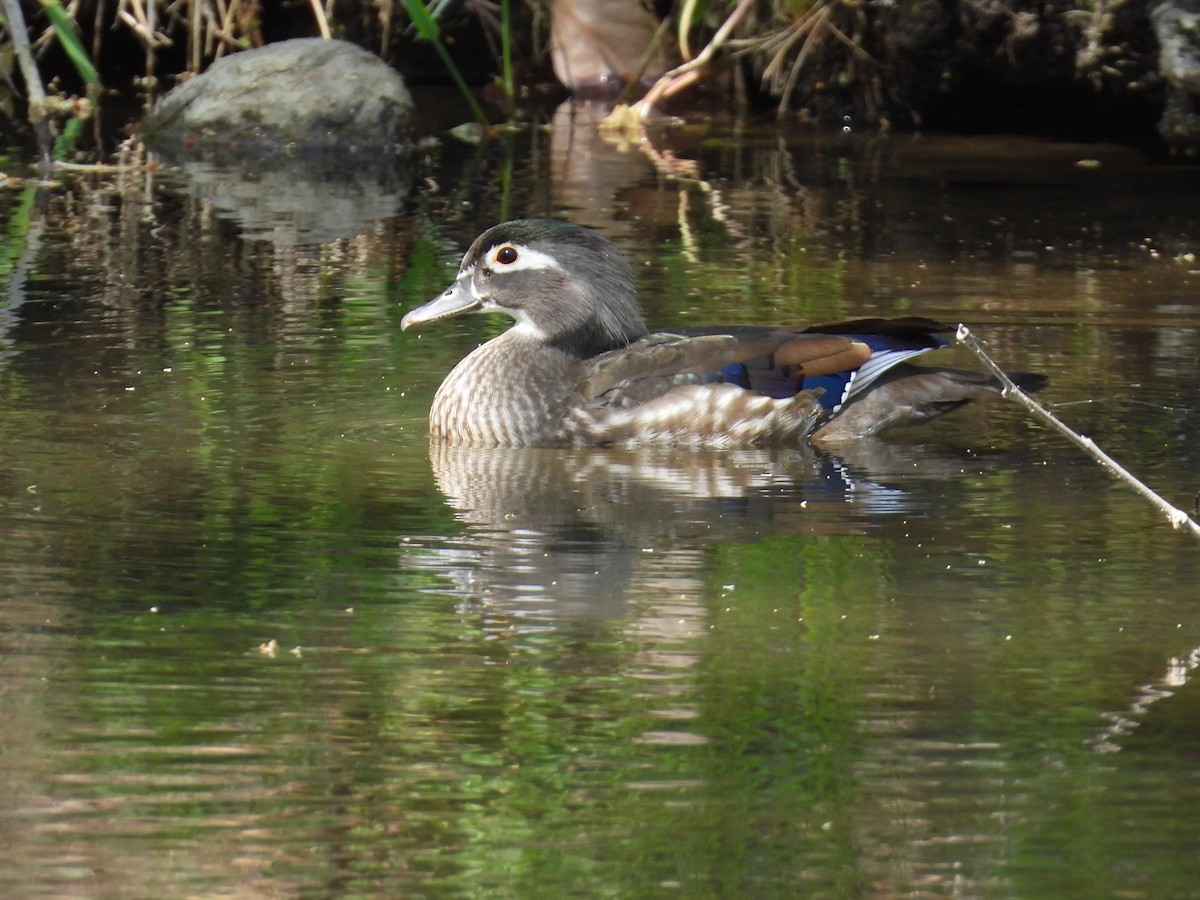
(312, 199)
(306, 93)
(1177, 27)
(562, 533)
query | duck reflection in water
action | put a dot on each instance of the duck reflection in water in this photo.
(554, 535)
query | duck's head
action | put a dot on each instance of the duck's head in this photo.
(565, 285)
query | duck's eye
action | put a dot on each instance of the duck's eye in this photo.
(507, 255)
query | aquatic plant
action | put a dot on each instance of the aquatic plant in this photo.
(62, 29)
(426, 23)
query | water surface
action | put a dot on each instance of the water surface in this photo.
(259, 638)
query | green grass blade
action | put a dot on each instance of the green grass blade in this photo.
(423, 21)
(510, 94)
(427, 27)
(68, 36)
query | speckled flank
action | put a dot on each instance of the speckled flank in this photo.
(699, 415)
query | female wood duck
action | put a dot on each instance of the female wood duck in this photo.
(579, 368)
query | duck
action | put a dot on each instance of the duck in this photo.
(579, 368)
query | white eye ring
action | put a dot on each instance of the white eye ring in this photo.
(515, 258)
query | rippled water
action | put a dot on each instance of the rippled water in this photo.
(259, 638)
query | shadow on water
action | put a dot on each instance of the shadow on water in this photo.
(258, 637)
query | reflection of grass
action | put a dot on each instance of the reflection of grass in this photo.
(18, 228)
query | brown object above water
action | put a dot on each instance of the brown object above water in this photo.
(599, 46)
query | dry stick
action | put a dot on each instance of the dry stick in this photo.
(1177, 517)
(35, 94)
(681, 76)
(644, 63)
(151, 18)
(195, 35)
(322, 20)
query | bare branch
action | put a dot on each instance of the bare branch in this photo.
(1177, 517)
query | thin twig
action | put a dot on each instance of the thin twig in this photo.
(648, 55)
(195, 36)
(1177, 517)
(35, 94)
(685, 74)
(90, 168)
(322, 20)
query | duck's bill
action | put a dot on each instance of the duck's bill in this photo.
(454, 301)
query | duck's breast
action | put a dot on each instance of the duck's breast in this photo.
(505, 393)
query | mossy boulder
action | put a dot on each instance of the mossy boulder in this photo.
(293, 96)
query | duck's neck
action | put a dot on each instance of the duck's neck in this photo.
(592, 339)
(512, 391)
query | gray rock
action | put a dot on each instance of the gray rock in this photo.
(298, 95)
(1177, 27)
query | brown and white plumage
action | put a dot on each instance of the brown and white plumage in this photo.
(579, 368)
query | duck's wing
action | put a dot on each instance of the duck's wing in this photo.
(670, 388)
(742, 386)
(843, 359)
(657, 362)
(906, 395)
(886, 392)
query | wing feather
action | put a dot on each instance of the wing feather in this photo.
(673, 355)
